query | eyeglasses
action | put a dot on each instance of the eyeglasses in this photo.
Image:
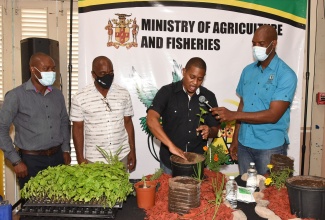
(108, 107)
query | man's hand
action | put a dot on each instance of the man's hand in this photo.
(82, 160)
(223, 114)
(204, 130)
(178, 152)
(21, 170)
(131, 160)
(233, 149)
(67, 158)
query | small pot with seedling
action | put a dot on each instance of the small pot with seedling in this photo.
(146, 190)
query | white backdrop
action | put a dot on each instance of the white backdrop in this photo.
(155, 65)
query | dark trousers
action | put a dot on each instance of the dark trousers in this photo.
(36, 163)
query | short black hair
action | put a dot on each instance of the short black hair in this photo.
(197, 62)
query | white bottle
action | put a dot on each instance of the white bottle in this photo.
(231, 192)
(251, 177)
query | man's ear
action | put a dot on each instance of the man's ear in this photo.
(183, 71)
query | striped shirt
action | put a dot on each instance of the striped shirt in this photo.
(103, 126)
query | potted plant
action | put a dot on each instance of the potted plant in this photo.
(307, 196)
(146, 190)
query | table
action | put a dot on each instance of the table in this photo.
(130, 210)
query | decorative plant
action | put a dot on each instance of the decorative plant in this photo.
(198, 174)
(201, 119)
(215, 156)
(218, 191)
(98, 183)
(153, 177)
(278, 178)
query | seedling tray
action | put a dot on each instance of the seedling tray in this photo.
(62, 210)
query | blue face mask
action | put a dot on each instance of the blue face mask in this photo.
(48, 78)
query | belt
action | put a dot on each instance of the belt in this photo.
(47, 152)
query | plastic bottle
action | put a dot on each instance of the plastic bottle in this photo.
(251, 177)
(231, 192)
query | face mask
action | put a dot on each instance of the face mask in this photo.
(48, 78)
(259, 53)
(105, 81)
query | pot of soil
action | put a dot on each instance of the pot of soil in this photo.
(307, 196)
(193, 167)
(145, 193)
(281, 162)
(183, 194)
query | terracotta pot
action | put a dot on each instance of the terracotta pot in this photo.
(307, 196)
(145, 196)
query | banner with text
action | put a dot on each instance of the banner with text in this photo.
(150, 41)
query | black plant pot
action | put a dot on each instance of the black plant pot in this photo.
(192, 168)
(307, 196)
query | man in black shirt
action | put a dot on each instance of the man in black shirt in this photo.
(178, 105)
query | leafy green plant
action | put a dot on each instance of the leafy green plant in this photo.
(202, 113)
(278, 178)
(201, 119)
(153, 177)
(99, 183)
(215, 156)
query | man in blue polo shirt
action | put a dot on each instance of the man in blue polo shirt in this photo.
(266, 89)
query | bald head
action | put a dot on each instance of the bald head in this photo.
(39, 57)
(100, 61)
(268, 32)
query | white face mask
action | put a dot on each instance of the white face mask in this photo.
(259, 53)
(48, 78)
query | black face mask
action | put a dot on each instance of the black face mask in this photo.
(105, 81)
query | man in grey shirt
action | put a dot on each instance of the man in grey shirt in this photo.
(38, 112)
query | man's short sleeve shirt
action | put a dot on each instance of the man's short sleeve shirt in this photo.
(258, 88)
(102, 126)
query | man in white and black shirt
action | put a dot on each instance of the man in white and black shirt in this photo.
(102, 116)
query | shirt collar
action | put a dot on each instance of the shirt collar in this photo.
(30, 86)
(272, 64)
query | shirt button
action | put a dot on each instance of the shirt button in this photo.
(189, 131)
(190, 120)
(188, 142)
(51, 137)
(46, 106)
(50, 126)
(190, 109)
(48, 116)
(175, 111)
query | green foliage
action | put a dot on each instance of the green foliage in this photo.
(215, 157)
(218, 190)
(198, 174)
(278, 178)
(202, 113)
(104, 184)
(157, 174)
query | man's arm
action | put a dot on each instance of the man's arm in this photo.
(65, 129)
(233, 149)
(78, 140)
(158, 132)
(7, 114)
(128, 124)
(271, 115)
